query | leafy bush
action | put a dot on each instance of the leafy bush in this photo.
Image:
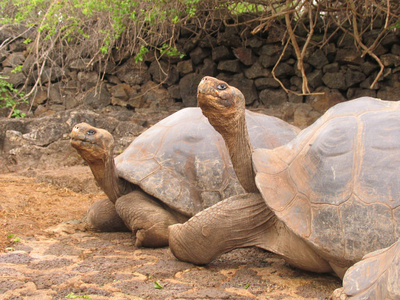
(112, 30)
(11, 97)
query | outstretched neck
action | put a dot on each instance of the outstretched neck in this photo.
(237, 140)
(240, 152)
(107, 178)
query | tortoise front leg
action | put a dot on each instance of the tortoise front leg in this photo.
(376, 276)
(237, 222)
(146, 218)
(103, 216)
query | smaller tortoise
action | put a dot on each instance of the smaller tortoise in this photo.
(332, 193)
(170, 172)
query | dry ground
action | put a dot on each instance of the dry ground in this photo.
(49, 252)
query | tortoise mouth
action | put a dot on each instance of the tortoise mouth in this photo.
(77, 142)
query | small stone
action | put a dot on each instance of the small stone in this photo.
(232, 66)
(220, 53)
(318, 59)
(185, 67)
(334, 80)
(266, 83)
(198, 55)
(245, 55)
(14, 59)
(188, 89)
(273, 97)
(256, 71)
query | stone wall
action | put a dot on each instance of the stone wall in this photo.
(339, 70)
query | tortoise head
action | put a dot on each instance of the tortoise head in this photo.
(93, 144)
(221, 103)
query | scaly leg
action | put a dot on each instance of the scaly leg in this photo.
(146, 218)
(103, 216)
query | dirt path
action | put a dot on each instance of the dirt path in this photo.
(49, 252)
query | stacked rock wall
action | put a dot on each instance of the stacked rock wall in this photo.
(337, 71)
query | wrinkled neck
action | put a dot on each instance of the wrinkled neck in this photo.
(106, 176)
(240, 151)
(237, 140)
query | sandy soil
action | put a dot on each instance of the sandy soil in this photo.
(48, 251)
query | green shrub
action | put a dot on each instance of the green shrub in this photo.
(11, 97)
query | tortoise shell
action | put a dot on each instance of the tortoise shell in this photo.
(184, 162)
(337, 183)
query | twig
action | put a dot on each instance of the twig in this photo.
(361, 44)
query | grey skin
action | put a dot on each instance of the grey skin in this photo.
(376, 276)
(172, 171)
(322, 201)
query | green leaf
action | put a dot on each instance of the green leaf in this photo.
(17, 69)
(74, 296)
(157, 285)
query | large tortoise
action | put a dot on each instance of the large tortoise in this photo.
(170, 172)
(332, 193)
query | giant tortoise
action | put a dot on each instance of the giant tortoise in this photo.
(332, 193)
(170, 172)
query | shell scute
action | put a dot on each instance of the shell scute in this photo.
(366, 227)
(278, 190)
(329, 161)
(379, 179)
(327, 232)
(298, 215)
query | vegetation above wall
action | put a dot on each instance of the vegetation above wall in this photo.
(106, 32)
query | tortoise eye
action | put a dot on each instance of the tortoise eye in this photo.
(91, 132)
(221, 86)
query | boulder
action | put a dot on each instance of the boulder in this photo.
(232, 66)
(247, 87)
(14, 59)
(346, 56)
(334, 80)
(266, 83)
(256, 71)
(163, 72)
(389, 93)
(244, 55)
(220, 53)
(120, 94)
(354, 77)
(87, 80)
(15, 78)
(185, 67)
(152, 95)
(283, 69)
(81, 64)
(315, 78)
(208, 68)
(390, 60)
(198, 55)
(97, 97)
(329, 98)
(188, 89)
(318, 59)
(133, 73)
(273, 97)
